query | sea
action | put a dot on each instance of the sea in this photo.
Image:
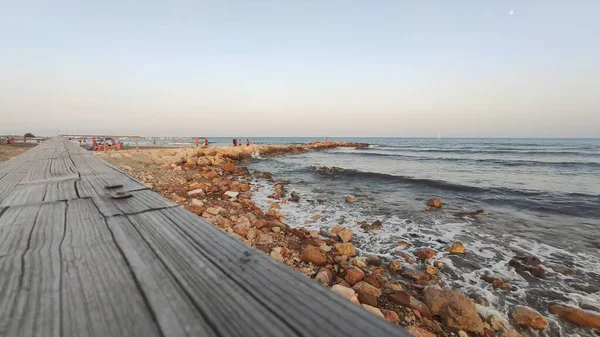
(542, 197)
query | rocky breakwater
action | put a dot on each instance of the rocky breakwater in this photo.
(407, 291)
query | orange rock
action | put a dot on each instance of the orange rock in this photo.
(391, 316)
(314, 255)
(528, 317)
(347, 249)
(435, 203)
(457, 248)
(210, 175)
(425, 253)
(353, 276)
(229, 167)
(576, 316)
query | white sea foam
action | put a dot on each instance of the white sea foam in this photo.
(487, 253)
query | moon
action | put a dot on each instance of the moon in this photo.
(511, 12)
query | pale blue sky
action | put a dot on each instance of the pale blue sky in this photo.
(301, 68)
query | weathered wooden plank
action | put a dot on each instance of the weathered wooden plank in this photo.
(37, 299)
(140, 201)
(74, 262)
(16, 224)
(202, 258)
(99, 293)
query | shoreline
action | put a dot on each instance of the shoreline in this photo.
(209, 183)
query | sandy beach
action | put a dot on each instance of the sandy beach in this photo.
(12, 150)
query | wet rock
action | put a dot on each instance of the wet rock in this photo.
(266, 175)
(562, 269)
(425, 253)
(500, 284)
(353, 276)
(375, 226)
(350, 200)
(364, 287)
(294, 196)
(405, 299)
(326, 277)
(345, 234)
(395, 266)
(430, 270)
(531, 265)
(419, 332)
(457, 248)
(314, 255)
(341, 220)
(375, 311)
(456, 309)
(435, 203)
(576, 316)
(474, 213)
(360, 263)
(408, 258)
(316, 217)
(404, 243)
(526, 316)
(373, 260)
(347, 249)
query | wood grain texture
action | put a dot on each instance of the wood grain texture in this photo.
(74, 262)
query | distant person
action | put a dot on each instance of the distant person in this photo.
(234, 142)
(247, 142)
(239, 142)
(154, 142)
(205, 142)
(196, 141)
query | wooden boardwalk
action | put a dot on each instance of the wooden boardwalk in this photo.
(74, 262)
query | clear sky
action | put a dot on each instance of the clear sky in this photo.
(301, 68)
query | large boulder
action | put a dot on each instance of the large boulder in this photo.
(314, 255)
(457, 310)
(576, 316)
(526, 316)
